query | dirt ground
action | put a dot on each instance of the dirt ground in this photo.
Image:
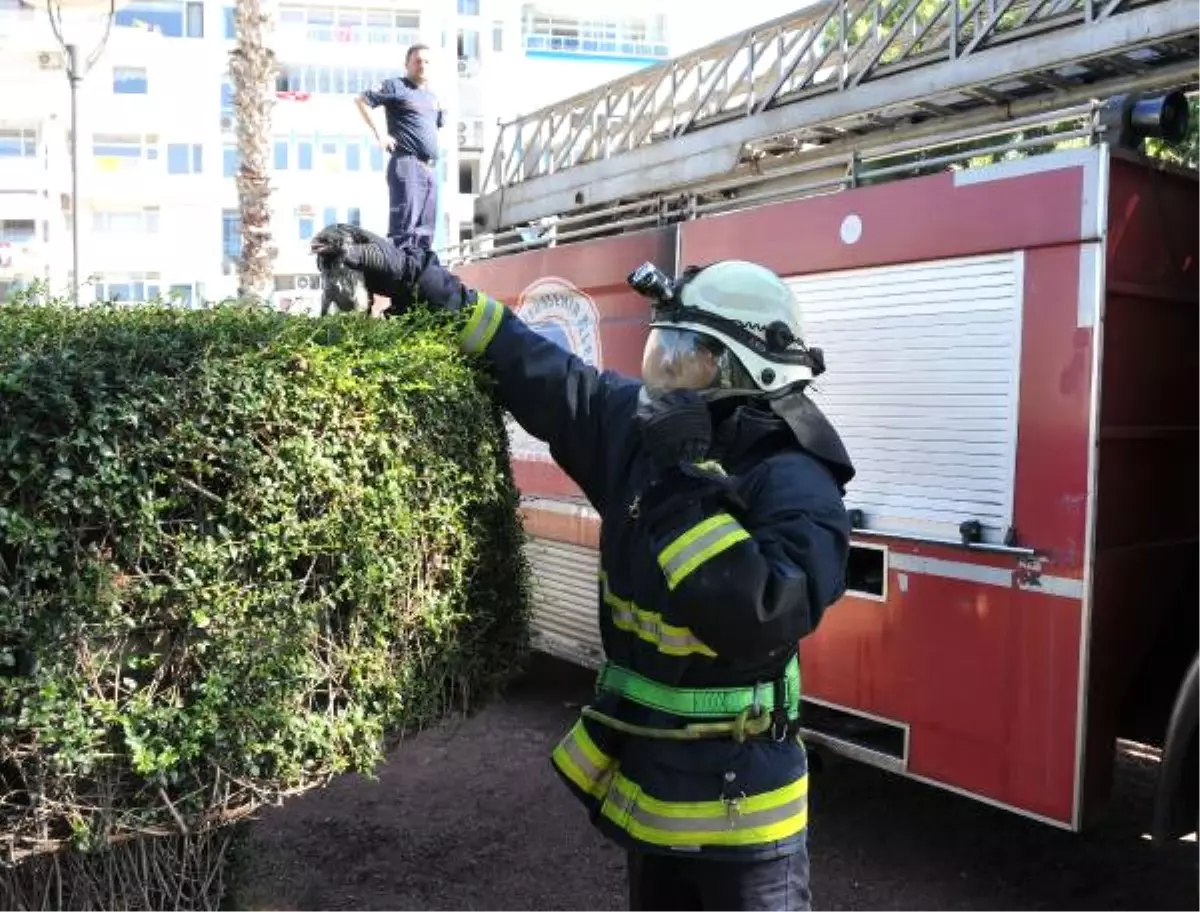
(470, 816)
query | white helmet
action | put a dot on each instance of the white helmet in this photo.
(744, 307)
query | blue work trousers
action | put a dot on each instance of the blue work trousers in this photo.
(412, 199)
(669, 882)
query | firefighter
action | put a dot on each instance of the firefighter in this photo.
(723, 540)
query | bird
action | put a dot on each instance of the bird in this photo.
(344, 289)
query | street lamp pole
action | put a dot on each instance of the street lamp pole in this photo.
(75, 77)
(76, 70)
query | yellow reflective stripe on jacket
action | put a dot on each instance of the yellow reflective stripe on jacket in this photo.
(482, 324)
(767, 817)
(580, 760)
(698, 544)
(649, 626)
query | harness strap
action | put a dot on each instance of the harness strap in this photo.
(709, 702)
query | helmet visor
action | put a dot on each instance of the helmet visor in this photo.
(677, 359)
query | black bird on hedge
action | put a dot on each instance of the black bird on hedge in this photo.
(355, 265)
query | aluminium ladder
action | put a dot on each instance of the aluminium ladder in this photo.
(839, 74)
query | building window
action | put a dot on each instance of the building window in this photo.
(468, 7)
(468, 177)
(230, 23)
(195, 19)
(170, 18)
(231, 236)
(468, 44)
(132, 224)
(18, 143)
(281, 155)
(230, 161)
(498, 37)
(327, 24)
(329, 80)
(305, 226)
(376, 157)
(181, 295)
(130, 81)
(120, 152)
(18, 231)
(617, 36)
(353, 156)
(185, 158)
(304, 155)
(137, 287)
(354, 216)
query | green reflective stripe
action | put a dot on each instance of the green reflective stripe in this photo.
(745, 821)
(579, 759)
(482, 325)
(649, 626)
(698, 544)
(708, 702)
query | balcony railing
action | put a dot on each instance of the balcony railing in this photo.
(348, 34)
(608, 47)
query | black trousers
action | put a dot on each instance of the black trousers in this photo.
(669, 882)
(412, 200)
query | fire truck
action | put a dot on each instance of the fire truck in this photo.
(1004, 287)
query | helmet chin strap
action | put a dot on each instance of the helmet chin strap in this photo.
(716, 394)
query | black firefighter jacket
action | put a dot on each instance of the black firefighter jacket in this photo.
(708, 580)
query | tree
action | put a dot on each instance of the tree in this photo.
(252, 68)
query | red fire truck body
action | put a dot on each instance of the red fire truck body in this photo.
(1012, 363)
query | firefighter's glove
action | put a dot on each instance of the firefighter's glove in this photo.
(437, 287)
(420, 278)
(676, 428)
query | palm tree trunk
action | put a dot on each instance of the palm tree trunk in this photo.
(252, 67)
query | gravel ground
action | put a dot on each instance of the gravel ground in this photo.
(470, 816)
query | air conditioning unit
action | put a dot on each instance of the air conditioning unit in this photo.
(462, 140)
(462, 66)
(227, 123)
(50, 60)
(302, 283)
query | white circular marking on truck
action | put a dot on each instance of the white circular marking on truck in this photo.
(851, 229)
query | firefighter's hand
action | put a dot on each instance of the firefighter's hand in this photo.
(676, 428)
(438, 287)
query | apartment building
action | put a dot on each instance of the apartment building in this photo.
(157, 152)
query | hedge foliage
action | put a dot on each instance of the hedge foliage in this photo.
(237, 551)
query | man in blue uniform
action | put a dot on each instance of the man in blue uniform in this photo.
(723, 540)
(413, 119)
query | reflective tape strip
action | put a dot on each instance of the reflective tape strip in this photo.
(482, 325)
(698, 544)
(745, 821)
(580, 760)
(649, 626)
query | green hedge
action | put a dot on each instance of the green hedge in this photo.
(237, 551)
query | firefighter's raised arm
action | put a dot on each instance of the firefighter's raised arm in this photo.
(554, 395)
